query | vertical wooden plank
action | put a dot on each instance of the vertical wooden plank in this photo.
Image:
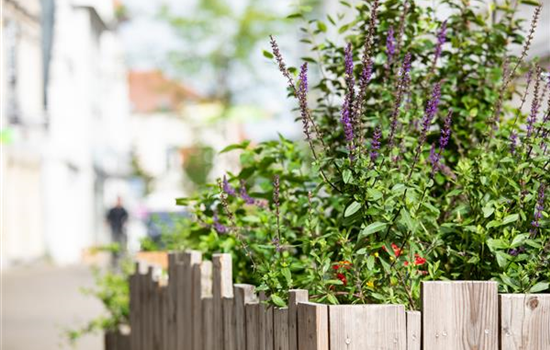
(313, 327)
(109, 340)
(190, 259)
(174, 258)
(354, 327)
(208, 324)
(280, 329)
(460, 315)
(266, 323)
(202, 285)
(155, 315)
(525, 321)
(229, 325)
(181, 285)
(135, 310)
(222, 287)
(164, 313)
(295, 296)
(149, 330)
(122, 341)
(252, 315)
(243, 294)
(414, 330)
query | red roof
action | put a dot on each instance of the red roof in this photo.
(151, 91)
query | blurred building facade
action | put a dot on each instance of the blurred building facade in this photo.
(65, 102)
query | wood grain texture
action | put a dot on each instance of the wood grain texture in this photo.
(280, 329)
(148, 306)
(414, 330)
(229, 325)
(252, 315)
(174, 258)
(354, 327)
(295, 296)
(202, 288)
(208, 324)
(135, 311)
(266, 323)
(164, 320)
(525, 321)
(222, 287)
(460, 315)
(190, 259)
(243, 294)
(312, 327)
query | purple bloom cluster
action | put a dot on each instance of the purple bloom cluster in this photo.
(535, 104)
(366, 73)
(390, 44)
(227, 187)
(220, 228)
(435, 157)
(513, 142)
(402, 86)
(244, 194)
(375, 144)
(431, 111)
(302, 100)
(441, 38)
(347, 108)
(539, 207)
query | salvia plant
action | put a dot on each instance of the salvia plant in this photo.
(419, 167)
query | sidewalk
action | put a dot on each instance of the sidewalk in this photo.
(39, 302)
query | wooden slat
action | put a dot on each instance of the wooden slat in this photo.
(122, 341)
(207, 324)
(460, 315)
(312, 327)
(190, 259)
(110, 341)
(181, 284)
(525, 321)
(243, 294)
(202, 288)
(164, 313)
(354, 327)
(280, 329)
(252, 315)
(148, 306)
(414, 330)
(135, 310)
(266, 323)
(229, 324)
(295, 296)
(222, 287)
(174, 258)
(156, 315)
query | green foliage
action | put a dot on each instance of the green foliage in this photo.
(112, 289)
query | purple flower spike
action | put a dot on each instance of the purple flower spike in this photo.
(301, 94)
(375, 144)
(446, 133)
(402, 87)
(220, 228)
(227, 187)
(434, 159)
(441, 38)
(347, 124)
(347, 117)
(244, 194)
(366, 73)
(539, 208)
(431, 111)
(390, 44)
(513, 142)
(348, 54)
(303, 79)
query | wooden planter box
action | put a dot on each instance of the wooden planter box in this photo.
(199, 308)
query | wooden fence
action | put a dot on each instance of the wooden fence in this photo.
(197, 307)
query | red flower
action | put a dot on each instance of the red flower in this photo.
(342, 264)
(419, 260)
(342, 278)
(406, 263)
(396, 250)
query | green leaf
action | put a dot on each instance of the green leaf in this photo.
(407, 219)
(370, 262)
(509, 219)
(332, 299)
(242, 145)
(352, 209)
(347, 176)
(488, 211)
(495, 244)
(519, 240)
(374, 195)
(322, 26)
(267, 54)
(277, 300)
(539, 287)
(372, 228)
(530, 2)
(288, 276)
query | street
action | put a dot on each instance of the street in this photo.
(40, 302)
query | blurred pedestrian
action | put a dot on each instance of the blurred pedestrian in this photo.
(117, 218)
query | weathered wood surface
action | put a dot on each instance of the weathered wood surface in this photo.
(190, 259)
(135, 310)
(266, 324)
(280, 329)
(208, 324)
(355, 327)
(229, 324)
(460, 315)
(525, 321)
(252, 315)
(202, 288)
(222, 287)
(243, 294)
(174, 259)
(414, 330)
(295, 296)
(313, 327)
(117, 341)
